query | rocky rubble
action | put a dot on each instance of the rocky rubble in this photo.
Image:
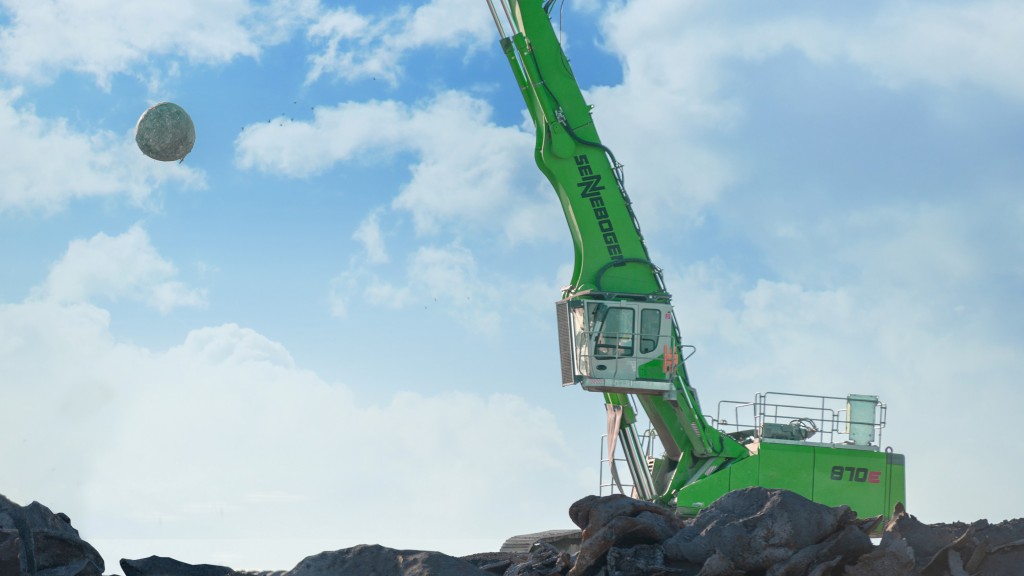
(36, 542)
(752, 532)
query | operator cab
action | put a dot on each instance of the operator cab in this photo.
(617, 346)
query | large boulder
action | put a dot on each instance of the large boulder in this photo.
(162, 566)
(642, 560)
(375, 560)
(618, 521)
(43, 543)
(496, 562)
(543, 560)
(892, 558)
(756, 528)
(955, 548)
(840, 549)
(10, 552)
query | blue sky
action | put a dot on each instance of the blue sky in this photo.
(333, 323)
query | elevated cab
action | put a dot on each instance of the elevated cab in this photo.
(617, 346)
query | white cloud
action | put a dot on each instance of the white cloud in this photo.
(339, 27)
(342, 133)
(360, 283)
(469, 170)
(657, 118)
(370, 236)
(945, 45)
(447, 277)
(46, 164)
(948, 46)
(105, 37)
(664, 155)
(678, 59)
(124, 266)
(126, 440)
(482, 300)
(357, 46)
(232, 346)
(274, 21)
(451, 276)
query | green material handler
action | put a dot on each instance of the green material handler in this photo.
(618, 333)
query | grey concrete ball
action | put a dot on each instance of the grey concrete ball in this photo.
(165, 132)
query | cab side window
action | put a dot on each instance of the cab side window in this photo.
(650, 329)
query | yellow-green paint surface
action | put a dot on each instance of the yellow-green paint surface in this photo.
(869, 482)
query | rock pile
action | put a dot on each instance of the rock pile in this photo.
(36, 542)
(752, 532)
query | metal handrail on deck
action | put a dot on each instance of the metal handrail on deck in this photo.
(828, 416)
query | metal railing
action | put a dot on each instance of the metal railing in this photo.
(772, 415)
(614, 476)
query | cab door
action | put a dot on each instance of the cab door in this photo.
(612, 335)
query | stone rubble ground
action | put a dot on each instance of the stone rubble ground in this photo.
(751, 532)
